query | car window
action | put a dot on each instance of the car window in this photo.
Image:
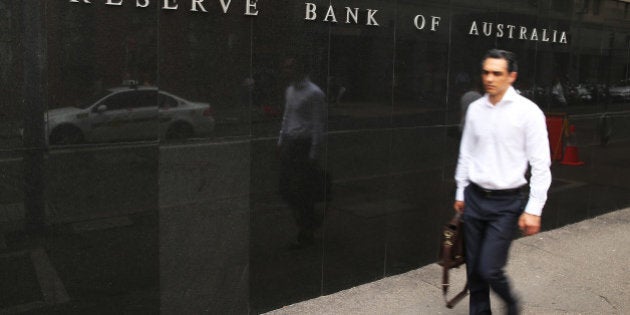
(123, 100)
(146, 99)
(131, 99)
(166, 101)
(93, 99)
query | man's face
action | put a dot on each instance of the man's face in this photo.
(495, 76)
(290, 69)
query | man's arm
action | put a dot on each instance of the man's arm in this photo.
(538, 154)
(318, 106)
(463, 161)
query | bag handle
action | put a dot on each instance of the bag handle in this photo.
(461, 295)
(447, 246)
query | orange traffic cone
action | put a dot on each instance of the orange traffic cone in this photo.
(571, 156)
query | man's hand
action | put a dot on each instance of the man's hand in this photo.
(459, 206)
(529, 224)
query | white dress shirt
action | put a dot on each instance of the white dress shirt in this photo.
(498, 143)
(304, 114)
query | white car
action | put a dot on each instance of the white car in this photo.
(619, 93)
(129, 113)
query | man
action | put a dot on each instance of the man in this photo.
(299, 143)
(503, 133)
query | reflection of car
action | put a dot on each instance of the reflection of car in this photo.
(129, 113)
(619, 93)
(583, 92)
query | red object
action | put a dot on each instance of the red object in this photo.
(555, 124)
(271, 111)
(571, 156)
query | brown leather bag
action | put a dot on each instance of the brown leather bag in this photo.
(452, 255)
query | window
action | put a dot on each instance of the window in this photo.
(146, 99)
(131, 99)
(118, 101)
(166, 101)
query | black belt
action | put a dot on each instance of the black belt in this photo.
(492, 192)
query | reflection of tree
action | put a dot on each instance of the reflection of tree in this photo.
(92, 46)
(140, 49)
(5, 41)
(75, 46)
(10, 112)
(217, 51)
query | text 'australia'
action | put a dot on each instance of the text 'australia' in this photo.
(517, 32)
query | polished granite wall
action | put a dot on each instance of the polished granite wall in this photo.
(137, 214)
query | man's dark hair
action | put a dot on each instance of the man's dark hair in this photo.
(300, 64)
(509, 56)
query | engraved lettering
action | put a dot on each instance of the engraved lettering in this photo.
(563, 38)
(534, 35)
(523, 32)
(196, 3)
(142, 3)
(435, 22)
(250, 7)
(487, 29)
(370, 17)
(511, 28)
(352, 14)
(310, 14)
(330, 15)
(500, 30)
(225, 6)
(545, 38)
(419, 18)
(473, 29)
(167, 5)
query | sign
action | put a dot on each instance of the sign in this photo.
(355, 15)
(517, 32)
(193, 5)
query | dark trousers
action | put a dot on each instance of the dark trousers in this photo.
(490, 225)
(298, 185)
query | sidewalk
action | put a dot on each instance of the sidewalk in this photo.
(578, 269)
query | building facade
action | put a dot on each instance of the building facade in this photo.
(140, 162)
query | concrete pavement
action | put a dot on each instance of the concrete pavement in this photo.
(581, 268)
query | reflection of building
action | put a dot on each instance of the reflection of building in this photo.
(197, 44)
(126, 44)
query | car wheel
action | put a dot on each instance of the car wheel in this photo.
(179, 131)
(66, 135)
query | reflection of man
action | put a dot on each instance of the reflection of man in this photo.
(467, 98)
(504, 132)
(299, 143)
(557, 91)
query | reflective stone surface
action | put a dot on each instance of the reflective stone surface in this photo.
(139, 146)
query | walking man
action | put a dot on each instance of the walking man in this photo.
(503, 134)
(299, 143)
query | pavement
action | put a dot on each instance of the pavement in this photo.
(577, 269)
